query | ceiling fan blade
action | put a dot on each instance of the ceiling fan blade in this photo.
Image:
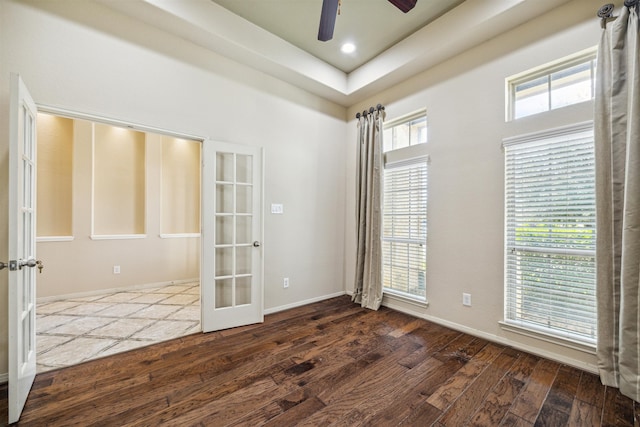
(404, 5)
(327, 19)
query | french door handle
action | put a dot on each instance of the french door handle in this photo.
(27, 263)
(3, 265)
(256, 244)
(30, 263)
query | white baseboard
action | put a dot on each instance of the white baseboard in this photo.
(4, 378)
(494, 338)
(112, 290)
(301, 303)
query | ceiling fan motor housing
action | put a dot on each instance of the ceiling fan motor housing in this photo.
(404, 5)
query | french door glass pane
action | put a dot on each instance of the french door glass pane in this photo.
(224, 262)
(224, 167)
(243, 290)
(243, 229)
(224, 198)
(243, 169)
(234, 209)
(243, 199)
(224, 293)
(224, 230)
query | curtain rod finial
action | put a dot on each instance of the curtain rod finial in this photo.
(605, 12)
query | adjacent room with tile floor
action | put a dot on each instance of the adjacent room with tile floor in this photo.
(74, 330)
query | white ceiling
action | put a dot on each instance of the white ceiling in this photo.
(372, 25)
(214, 27)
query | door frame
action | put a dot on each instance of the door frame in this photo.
(72, 114)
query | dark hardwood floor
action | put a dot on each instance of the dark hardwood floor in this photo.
(329, 363)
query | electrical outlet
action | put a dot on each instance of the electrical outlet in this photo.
(285, 282)
(116, 269)
(466, 299)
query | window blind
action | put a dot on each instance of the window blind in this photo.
(404, 233)
(550, 234)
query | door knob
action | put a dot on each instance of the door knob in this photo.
(30, 263)
(256, 244)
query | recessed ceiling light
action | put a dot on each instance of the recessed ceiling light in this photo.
(348, 48)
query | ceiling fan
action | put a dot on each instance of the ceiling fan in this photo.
(330, 11)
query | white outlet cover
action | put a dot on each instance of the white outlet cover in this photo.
(466, 299)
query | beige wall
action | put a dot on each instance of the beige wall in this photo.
(119, 164)
(86, 265)
(87, 58)
(465, 102)
(55, 170)
(180, 184)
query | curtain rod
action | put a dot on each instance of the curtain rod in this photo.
(371, 110)
(605, 13)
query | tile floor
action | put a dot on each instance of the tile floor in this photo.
(78, 329)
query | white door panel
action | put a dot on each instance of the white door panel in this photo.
(22, 246)
(232, 290)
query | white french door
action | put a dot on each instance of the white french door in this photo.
(22, 246)
(232, 261)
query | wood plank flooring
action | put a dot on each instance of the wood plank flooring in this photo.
(329, 363)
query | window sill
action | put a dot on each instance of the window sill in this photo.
(400, 297)
(117, 236)
(544, 336)
(54, 239)
(178, 235)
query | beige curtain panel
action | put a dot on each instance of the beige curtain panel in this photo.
(368, 281)
(617, 142)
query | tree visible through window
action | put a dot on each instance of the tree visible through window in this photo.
(550, 233)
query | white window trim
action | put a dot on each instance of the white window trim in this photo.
(403, 297)
(406, 118)
(549, 68)
(583, 346)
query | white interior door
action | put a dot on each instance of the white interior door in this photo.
(22, 246)
(232, 256)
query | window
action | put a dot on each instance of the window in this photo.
(406, 132)
(404, 235)
(550, 233)
(556, 85)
